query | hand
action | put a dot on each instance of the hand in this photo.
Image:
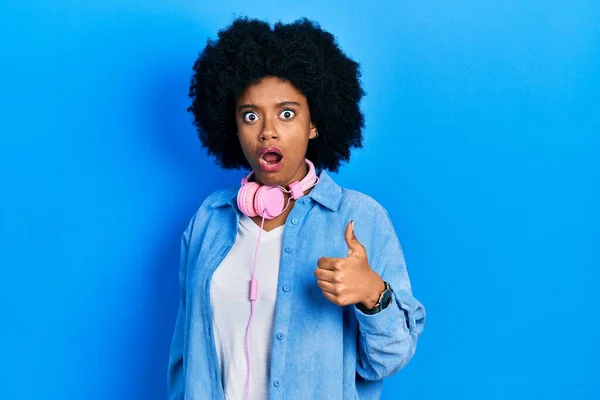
(349, 280)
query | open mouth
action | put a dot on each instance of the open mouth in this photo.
(271, 158)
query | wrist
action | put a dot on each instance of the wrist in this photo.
(375, 290)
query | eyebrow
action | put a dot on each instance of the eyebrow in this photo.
(282, 104)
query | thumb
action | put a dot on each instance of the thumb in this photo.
(351, 240)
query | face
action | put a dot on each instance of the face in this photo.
(274, 128)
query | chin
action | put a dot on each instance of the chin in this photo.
(282, 176)
(271, 178)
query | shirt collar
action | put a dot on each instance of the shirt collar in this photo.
(326, 192)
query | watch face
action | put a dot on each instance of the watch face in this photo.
(387, 297)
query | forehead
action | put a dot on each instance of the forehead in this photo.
(271, 90)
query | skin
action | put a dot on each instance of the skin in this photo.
(274, 113)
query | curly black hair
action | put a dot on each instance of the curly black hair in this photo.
(300, 53)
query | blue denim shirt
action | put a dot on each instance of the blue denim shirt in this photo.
(319, 350)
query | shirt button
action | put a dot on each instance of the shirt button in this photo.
(294, 221)
(288, 250)
(286, 288)
(280, 336)
(276, 383)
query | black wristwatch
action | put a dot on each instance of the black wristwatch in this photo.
(385, 298)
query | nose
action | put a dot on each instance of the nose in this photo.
(269, 131)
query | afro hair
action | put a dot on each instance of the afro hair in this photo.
(300, 53)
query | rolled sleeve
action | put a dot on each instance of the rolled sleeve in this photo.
(388, 339)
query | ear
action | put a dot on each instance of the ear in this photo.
(313, 131)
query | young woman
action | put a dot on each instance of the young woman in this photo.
(292, 287)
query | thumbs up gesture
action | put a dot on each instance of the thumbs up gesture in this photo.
(349, 280)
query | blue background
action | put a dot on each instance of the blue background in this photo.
(482, 123)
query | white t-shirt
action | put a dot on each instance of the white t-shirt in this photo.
(230, 301)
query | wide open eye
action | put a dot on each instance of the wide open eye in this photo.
(250, 117)
(287, 114)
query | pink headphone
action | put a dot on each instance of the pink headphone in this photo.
(268, 201)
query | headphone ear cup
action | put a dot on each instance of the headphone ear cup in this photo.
(270, 201)
(245, 198)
